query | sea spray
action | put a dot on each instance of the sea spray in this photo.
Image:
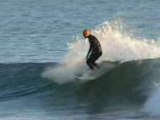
(117, 45)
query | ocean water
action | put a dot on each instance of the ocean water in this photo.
(42, 50)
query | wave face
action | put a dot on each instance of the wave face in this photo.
(21, 79)
(128, 82)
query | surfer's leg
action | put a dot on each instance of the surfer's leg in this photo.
(92, 59)
(89, 63)
(95, 57)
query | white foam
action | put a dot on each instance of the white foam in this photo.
(116, 43)
(152, 105)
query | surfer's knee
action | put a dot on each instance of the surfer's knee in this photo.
(100, 54)
(88, 62)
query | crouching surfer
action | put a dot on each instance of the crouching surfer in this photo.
(95, 50)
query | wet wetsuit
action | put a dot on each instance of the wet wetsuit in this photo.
(95, 51)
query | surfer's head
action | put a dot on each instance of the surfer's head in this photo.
(86, 33)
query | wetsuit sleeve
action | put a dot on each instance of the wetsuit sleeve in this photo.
(90, 49)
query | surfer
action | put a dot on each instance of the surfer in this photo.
(95, 50)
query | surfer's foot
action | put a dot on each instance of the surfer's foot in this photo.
(97, 66)
(92, 68)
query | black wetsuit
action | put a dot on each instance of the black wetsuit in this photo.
(95, 51)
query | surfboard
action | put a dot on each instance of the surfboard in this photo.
(103, 67)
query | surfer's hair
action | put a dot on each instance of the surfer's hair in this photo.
(85, 30)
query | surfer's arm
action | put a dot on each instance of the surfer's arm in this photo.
(90, 49)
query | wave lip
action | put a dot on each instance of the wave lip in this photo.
(117, 45)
